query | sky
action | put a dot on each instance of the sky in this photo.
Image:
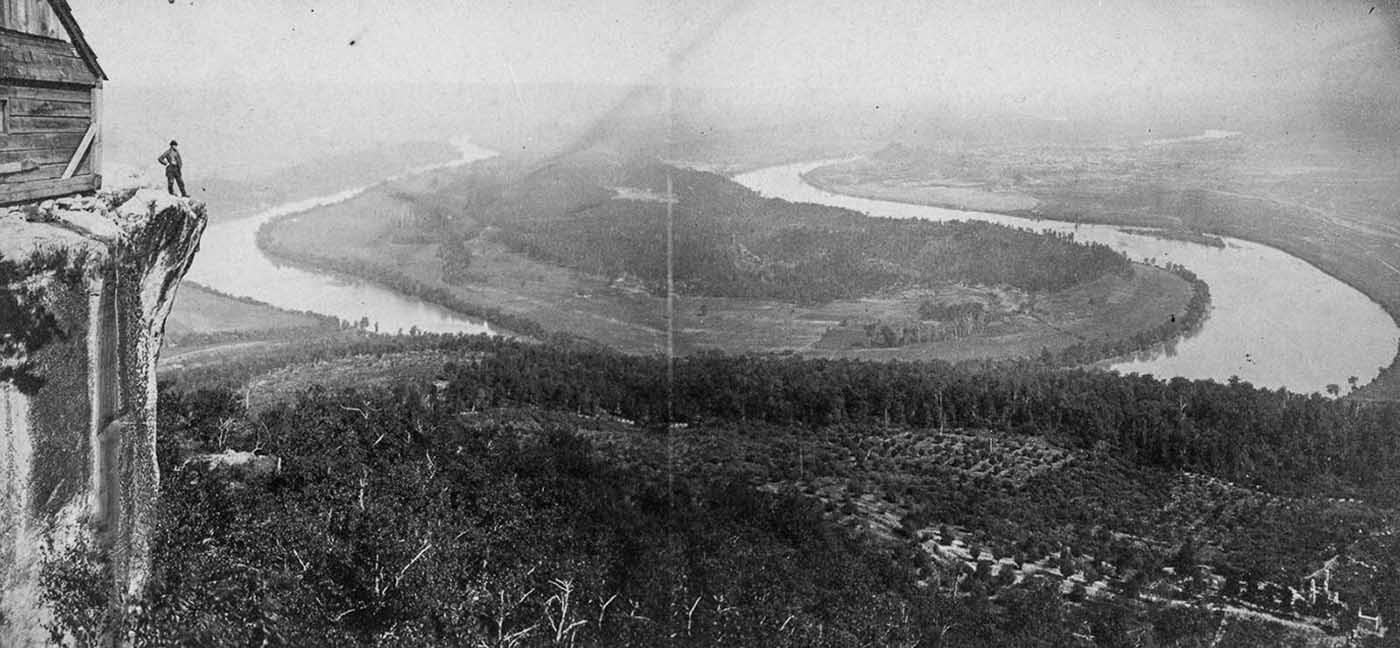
(1050, 59)
(356, 41)
(1006, 47)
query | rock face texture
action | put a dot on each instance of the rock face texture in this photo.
(85, 288)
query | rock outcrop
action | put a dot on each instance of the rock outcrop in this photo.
(85, 288)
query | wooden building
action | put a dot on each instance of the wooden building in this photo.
(50, 103)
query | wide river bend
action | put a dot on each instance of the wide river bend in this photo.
(229, 260)
(1275, 320)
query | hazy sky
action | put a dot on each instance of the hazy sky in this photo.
(1026, 48)
(1086, 59)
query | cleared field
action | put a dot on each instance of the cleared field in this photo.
(360, 372)
(627, 318)
(200, 310)
(1107, 308)
(207, 328)
(862, 178)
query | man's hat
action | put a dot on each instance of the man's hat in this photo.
(174, 143)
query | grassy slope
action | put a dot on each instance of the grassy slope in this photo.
(200, 310)
(631, 320)
(207, 327)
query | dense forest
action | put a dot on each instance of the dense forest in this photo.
(1275, 439)
(536, 495)
(732, 242)
(1280, 441)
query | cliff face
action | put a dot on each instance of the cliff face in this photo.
(85, 288)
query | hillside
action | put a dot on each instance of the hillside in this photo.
(799, 502)
(608, 219)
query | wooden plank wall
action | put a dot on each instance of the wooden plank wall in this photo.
(43, 127)
(50, 99)
(31, 17)
(41, 189)
(32, 58)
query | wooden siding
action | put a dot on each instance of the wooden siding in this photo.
(50, 86)
(51, 108)
(54, 155)
(32, 58)
(43, 129)
(31, 17)
(25, 191)
(38, 141)
(39, 111)
(18, 91)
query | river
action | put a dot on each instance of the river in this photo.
(229, 260)
(1275, 320)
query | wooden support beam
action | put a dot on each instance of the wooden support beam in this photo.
(82, 150)
(96, 156)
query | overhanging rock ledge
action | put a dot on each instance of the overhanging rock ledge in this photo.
(86, 284)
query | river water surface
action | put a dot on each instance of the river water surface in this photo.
(1275, 320)
(229, 260)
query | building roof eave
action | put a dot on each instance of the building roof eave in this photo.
(64, 11)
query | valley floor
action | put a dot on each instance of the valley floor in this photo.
(363, 232)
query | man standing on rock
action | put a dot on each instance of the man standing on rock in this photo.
(171, 159)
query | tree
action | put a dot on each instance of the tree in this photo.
(888, 338)
(456, 259)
